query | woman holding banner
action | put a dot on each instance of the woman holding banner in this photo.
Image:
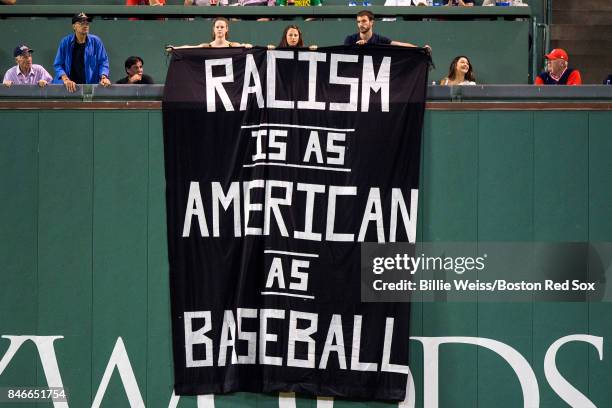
(220, 29)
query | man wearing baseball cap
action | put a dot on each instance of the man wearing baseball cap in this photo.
(81, 57)
(26, 73)
(557, 70)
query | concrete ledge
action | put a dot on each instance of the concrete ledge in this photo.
(454, 94)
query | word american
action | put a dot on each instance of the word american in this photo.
(278, 193)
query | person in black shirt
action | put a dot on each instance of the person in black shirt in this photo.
(77, 67)
(366, 35)
(135, 76)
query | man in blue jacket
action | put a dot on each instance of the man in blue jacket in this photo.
(81, 57)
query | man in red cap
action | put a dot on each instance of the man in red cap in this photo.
(557, 71)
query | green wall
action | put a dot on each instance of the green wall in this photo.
(499, 50)
(83, 250)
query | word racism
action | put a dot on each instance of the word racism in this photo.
(278, 164)
(369, 81)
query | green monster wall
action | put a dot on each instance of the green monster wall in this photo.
(83, 250)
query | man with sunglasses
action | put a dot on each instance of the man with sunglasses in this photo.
(81, 57)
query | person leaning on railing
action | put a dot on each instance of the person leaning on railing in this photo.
(558, 71)
(460, 72)
(135, 73)
(25, 72)
(81, 57)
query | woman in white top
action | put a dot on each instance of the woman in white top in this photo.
(460, 72)
(220, 29)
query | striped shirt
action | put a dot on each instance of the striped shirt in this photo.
(37, 72)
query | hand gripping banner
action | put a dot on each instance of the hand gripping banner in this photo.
(279, 164)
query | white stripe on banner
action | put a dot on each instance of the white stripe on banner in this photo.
(286, 400)
(409, 401)
(206, 401)
(274, 251)
(299, 166)
(288, 294)
(287, 125)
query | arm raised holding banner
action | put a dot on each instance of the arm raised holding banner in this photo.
(366, 35)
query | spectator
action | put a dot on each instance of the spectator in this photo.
(405, 3)
(459, 3)
(557, 70)
(220, 29)
(135, 73)
(460, 72)
(301, 3)
(514, 3)
(292, 38)
(366, 35)
(608, 80)
(211, 2)
(145, 2)
(26, 73)
(81, 57)
(8, 2)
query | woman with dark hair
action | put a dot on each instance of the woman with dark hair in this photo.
(292, 38)
(460, 72)
(220, 29)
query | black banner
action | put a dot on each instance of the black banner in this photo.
(279, 164)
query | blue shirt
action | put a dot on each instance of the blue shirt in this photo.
(96, 59)
(374, 39)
